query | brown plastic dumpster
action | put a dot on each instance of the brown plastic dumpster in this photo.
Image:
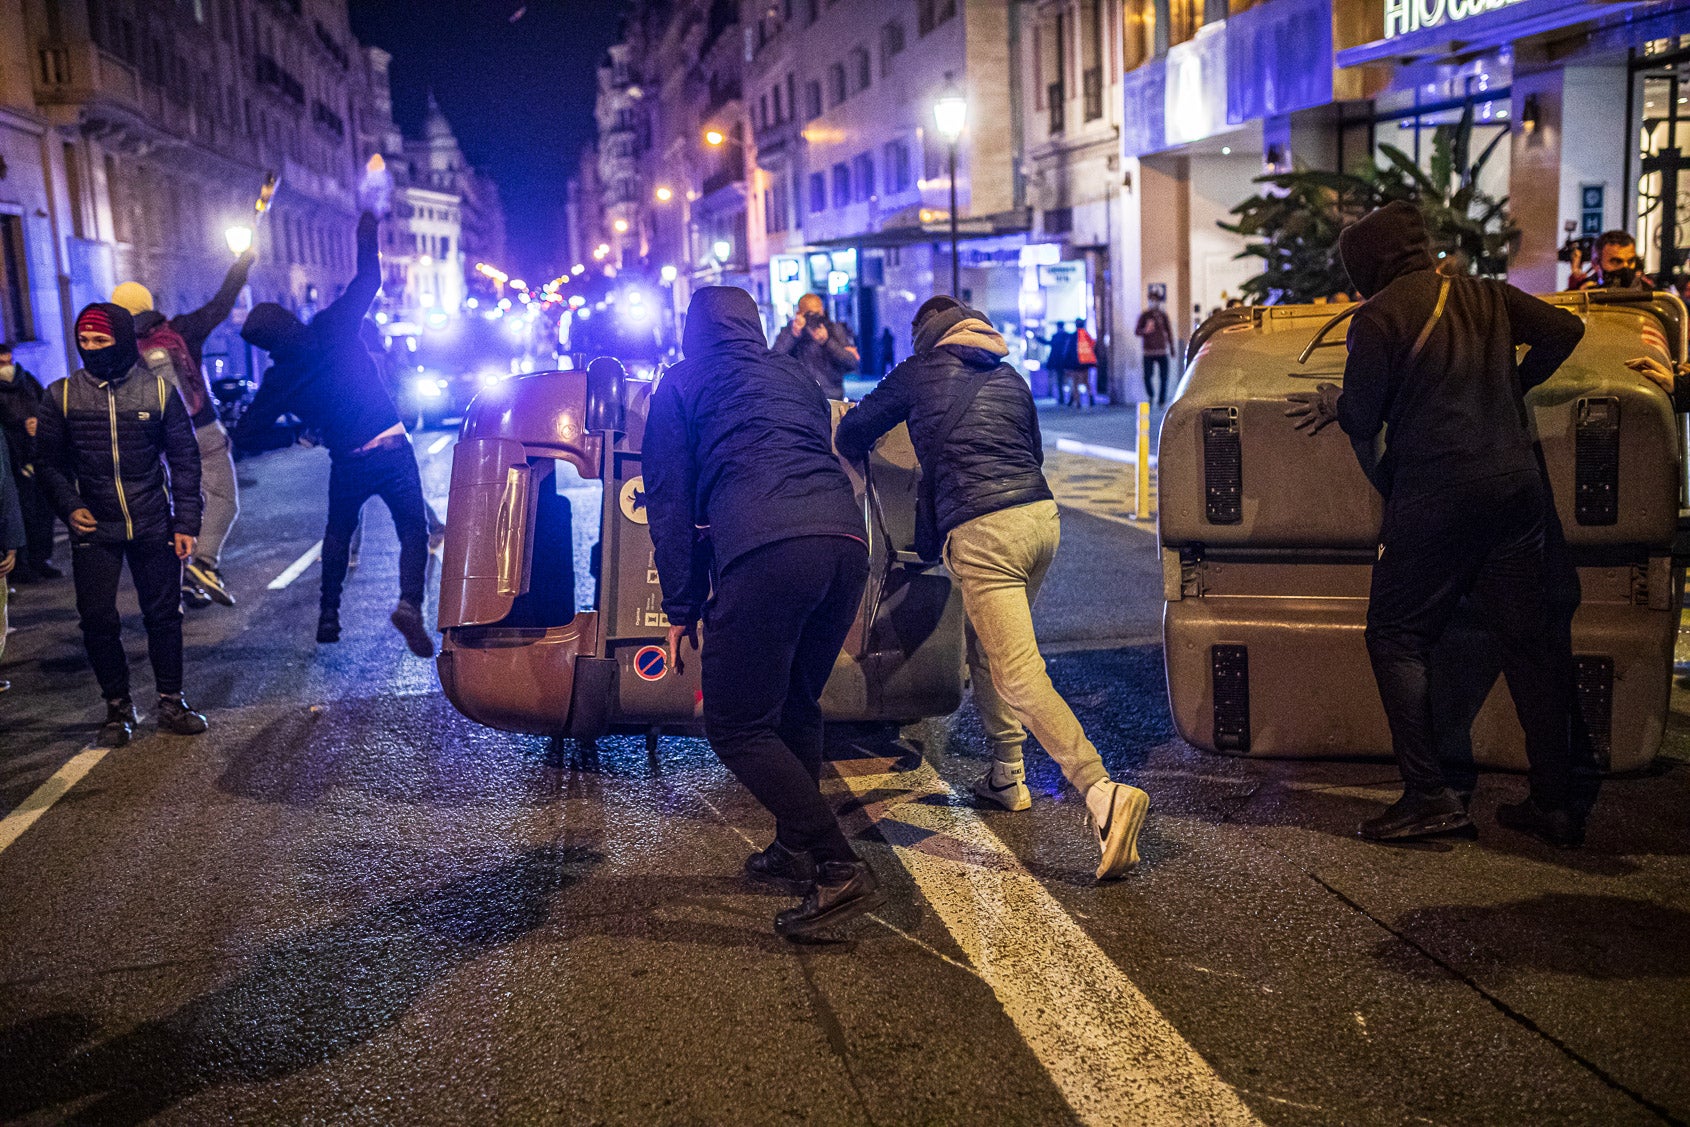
(1268, 537)
(518, 656)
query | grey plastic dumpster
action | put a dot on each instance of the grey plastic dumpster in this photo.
(518, 657)
(1268, 536)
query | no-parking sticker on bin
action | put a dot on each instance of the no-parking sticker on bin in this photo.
(651, 663)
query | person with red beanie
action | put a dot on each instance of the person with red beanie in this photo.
(108, 434)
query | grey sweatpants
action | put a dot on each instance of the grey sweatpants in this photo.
(217, 484)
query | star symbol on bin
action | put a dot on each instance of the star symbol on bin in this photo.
(639, 499)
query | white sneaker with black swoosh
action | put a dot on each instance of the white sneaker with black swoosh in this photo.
(1006, 785)
(1116, 813)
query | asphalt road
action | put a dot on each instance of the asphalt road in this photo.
(346, 903)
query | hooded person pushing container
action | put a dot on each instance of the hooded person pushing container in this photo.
(323, 373)
(1432, 376)
(757, 531)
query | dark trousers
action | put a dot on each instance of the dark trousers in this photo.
(1484, 541)
(37, 523)
(772, 629)
(391, 474)
(157, 575)
(1156, 379)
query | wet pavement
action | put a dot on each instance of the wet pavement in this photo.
(346, 903)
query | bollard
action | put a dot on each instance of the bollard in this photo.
(1144, 498)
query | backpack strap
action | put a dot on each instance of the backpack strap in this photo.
(161, 394)
(1431, 322)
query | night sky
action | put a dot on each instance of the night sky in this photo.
(519, 94)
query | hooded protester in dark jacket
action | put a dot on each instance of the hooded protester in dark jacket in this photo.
(1467, 510)
(106, 434)
(993, 458)
(322, 372)
(737, 447)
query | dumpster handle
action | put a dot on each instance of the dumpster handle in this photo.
(1324, 329)
(511, 530)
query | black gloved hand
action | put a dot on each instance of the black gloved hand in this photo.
(1315, 409)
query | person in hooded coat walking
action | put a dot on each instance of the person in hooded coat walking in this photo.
(757, 531)
(976, 432)
(323, 373)
(107, 435)
(1432, 369)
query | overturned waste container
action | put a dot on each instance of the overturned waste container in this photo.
(1268, 536)
(533, 644)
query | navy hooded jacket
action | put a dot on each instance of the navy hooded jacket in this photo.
(737, 454)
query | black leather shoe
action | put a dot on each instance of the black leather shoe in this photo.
(793, 872)
(843, 891)
(176, 717)
(1416, 816)
(120, 723)
(408, 620)
(1552, 825)
(328, 626)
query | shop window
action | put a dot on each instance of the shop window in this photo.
(862, 175)
(818, 193)
(17, 321)
(841, 185)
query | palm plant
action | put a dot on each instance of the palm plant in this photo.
(1294, 222)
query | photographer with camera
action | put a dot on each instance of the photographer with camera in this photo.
(823, 348)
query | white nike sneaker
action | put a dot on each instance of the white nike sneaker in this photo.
(1116, 825)
(1006, 785)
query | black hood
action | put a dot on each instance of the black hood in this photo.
(112, 364)
(720, 317)
(273, 328)
(1383, 245)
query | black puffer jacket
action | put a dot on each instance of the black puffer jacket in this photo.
(20, 401)
(102, 445)
(736, 453)
(994, 456)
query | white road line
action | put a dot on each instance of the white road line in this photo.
(440, 444)
(1105, 1045)
(49, 792)
(1095, 450)
(297, 567)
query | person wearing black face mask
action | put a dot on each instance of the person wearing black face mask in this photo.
(106, 436)
(1613, 265)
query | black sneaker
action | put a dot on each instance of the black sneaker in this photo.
(408, 620)
(1552, 825)
(176, 717)
(843, 891)
(211, 582)
(120, 723)
(794, 873)
(193, 598)
(328, 626)
(1416, 816)
(47, 571)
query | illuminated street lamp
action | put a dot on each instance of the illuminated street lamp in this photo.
(950, 116)
(578, 269)
(669, 274)
(239, 238)
(620, 226)
(714, 137)
(724, 250)
(664, 195)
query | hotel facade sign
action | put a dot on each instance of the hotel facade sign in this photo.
(1403, 17)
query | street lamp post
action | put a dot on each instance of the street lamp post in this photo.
(950, 115)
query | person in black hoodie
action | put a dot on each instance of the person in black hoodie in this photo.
(976, 432)
(1432, 370)
(757, 531)
(107, 435)
(323, 373)
(20, 410)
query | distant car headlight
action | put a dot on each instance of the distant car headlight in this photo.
(427, 388)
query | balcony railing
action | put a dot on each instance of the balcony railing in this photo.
(1057, 95)
(71, 72)
(1091, 89)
